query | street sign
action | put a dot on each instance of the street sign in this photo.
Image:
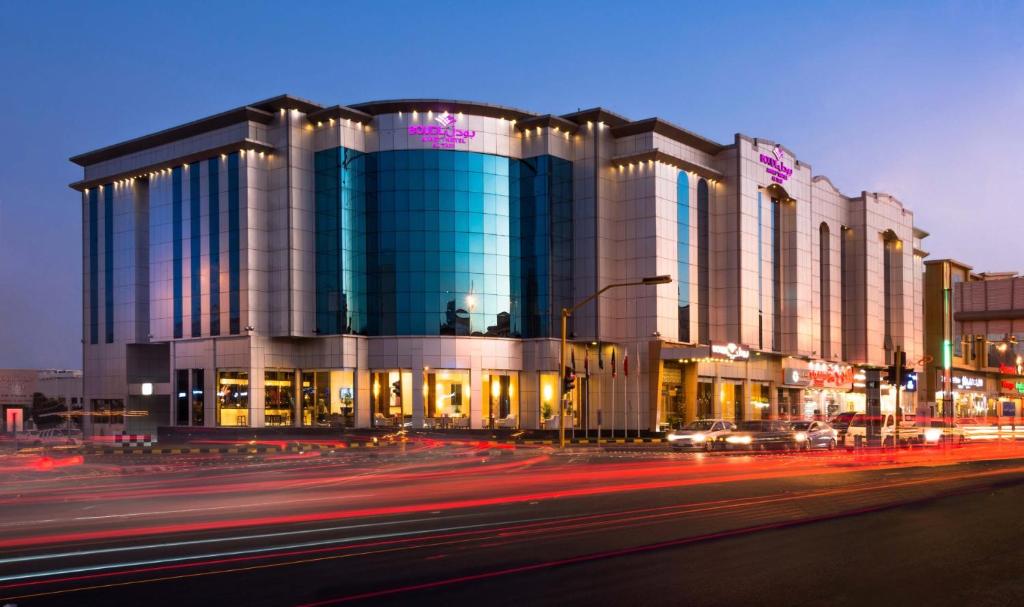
(1009, 408)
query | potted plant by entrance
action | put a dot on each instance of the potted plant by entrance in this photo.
(545, 413)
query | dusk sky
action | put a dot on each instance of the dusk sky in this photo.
(922, 100)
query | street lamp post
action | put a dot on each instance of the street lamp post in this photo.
(566, 313)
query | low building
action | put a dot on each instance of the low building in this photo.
(973, 326)
(18, 387)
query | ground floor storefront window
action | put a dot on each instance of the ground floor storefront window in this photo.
(673, 396)
(759, 400)
(391, 393)
(446, 398)
(731, 399)
(705, 398)
(548, 405)
(232, 398)
(328, 398)
(501, 405)
(278, 397)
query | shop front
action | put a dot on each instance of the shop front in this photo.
(970, 394)
(816, 390)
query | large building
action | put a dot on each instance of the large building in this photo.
(291, 264)
(18, 388)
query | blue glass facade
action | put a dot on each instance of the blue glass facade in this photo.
(195, 273)
(683, 253)
(176, 251)
(94, 267)
(108, 262)
(213, 182)
(234, 247)
(429, 242)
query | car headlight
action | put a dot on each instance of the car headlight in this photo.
(699, 438)
(800, 437)
(933, 435)
(738, 440)
(673, 436)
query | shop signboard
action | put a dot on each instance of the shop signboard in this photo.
(819, 374)
(962, 382)
(1013, 386)
(730, 351)
(17, 386)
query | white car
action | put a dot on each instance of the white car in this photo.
(57, 436)
(908, 431)
(700, 434)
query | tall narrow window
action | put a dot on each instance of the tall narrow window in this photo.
(213, 180)
(760, 272)
(108, 262)
(844, 292)
(777, 286)
(176, 251)
(234, 252)
(181, 407)
(890, 257)
(683, 254)
(825, 288)
(195, 278)
(94, 267)
(703, 263)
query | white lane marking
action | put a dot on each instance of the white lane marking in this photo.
(157, 512)
(164, 561)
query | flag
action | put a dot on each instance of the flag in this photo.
(586, 363)
(613, 362)
(625, 362)
(600, 356)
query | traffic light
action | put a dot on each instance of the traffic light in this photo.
(909, 380)
(890, 375)
(568, 380)
(396, 388)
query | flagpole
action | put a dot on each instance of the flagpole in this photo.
(611, 423)
(638, 392)
(625, 393)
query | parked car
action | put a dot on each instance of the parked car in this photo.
(840, 423)
(700, 434)
(908, 431)
(815, 435)
(760, 436)
(57, 436)
(938, 431)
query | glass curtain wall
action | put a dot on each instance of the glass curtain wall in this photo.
(436, 242)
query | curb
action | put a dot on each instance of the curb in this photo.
(247, 450)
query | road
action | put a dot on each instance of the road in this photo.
(430, 523)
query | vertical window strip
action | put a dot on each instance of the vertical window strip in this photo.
(234, 253)
(94, 267)
(683, 253)
(825, 288)
(776, 231)
(703, 262)
(196, 288)
(213, 179)
(108, 262)
(760, 272)
(176, 236)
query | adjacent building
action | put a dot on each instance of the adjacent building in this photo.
(974, 325)
(19, 386)
(292, 264)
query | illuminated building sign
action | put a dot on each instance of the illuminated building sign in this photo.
(730, 351)
(1008, 370)
(963, 382)
(819, 375)
(1009, 386)
(775, 165)
(444, 135)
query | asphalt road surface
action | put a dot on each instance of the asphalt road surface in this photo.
(433, 524)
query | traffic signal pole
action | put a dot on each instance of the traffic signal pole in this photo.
(900, 358)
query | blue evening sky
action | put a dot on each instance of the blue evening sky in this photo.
(924, 100)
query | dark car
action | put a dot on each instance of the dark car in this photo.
(815, 435)
(840, 423)
(759, 436)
